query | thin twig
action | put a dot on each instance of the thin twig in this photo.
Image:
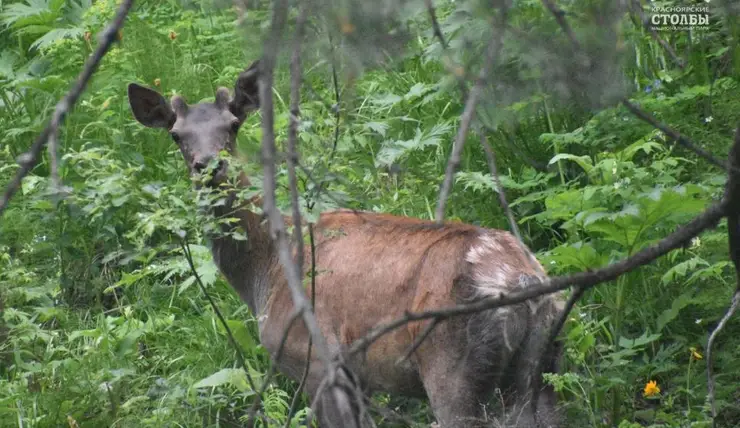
(296, 79)
(422, 337)
(277, 225)
(535, 288)
(710, 343)
(53, 147)
(304, 377)
(29, 159)
(675, 135)
(275, 218)
(491, 157)
(239, 356)
(336, 108)
(546, 349)
(467, 117)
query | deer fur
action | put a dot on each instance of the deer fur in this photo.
(372, 268)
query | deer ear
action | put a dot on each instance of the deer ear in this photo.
(149, 107)
(246, 92)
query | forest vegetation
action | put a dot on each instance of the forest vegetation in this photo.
(102, 320)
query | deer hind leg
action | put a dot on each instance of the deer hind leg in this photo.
(338, 405)
(453, 392)
(494, 340)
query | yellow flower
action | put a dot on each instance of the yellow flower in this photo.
(651, 389)
(695, 354)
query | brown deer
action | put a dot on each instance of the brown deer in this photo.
(372, 268)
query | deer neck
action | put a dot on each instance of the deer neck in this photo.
(246, 264)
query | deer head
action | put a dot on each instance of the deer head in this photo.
(203, 130)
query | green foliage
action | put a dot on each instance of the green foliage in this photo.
(100, 319)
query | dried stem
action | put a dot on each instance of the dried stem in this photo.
(277, 225)
(273, 368)
(710, 343)
(29, 159)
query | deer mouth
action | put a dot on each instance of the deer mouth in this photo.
(215, 176)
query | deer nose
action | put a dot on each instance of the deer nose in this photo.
(202, 164)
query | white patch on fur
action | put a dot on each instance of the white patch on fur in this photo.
(489, 277)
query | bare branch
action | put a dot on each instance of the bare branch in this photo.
(710, 343)
(29, 159)
(435, 24)
(535, 288)
(54, 159)
(277, 225)
(685, 142)
(559, 15)
(304, 377)
(273, 368)
(467, 117)
(296, 78)
(422, 337)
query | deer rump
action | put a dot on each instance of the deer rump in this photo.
(373, 268)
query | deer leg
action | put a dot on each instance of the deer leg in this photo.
(453, 400)
(336, 405)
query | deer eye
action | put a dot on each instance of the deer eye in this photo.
(175, 137)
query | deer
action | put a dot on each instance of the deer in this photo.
(373, 268)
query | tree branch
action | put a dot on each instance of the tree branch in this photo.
(467, 117)
(29, 159)
(559, 16)
(277, 225)
(680, 139)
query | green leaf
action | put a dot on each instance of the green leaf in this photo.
(241, 334)
(639, 342)
(233, 377)
(669, 315)
(584, 162)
